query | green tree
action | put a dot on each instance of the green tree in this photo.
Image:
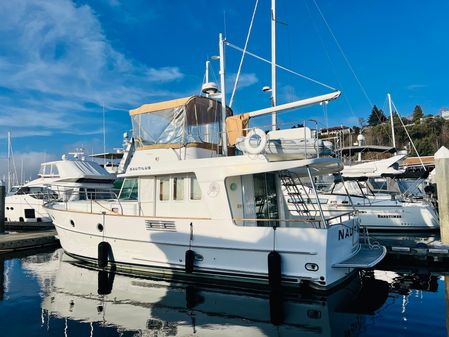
(417, 114)
(376, 117)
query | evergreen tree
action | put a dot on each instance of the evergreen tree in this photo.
(417, 114)
(376, 117)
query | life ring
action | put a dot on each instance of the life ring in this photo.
(249, 146)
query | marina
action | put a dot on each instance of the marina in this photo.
(226, 209)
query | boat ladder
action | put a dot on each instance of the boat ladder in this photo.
(290, 181)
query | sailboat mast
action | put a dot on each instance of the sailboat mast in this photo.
(273, 63)
(8, 187)
(391, 120)
(223, 96)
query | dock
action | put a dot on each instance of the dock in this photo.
(21, 240)
(413, 248)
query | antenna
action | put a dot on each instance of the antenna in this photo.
(223, 96)
(104, 138)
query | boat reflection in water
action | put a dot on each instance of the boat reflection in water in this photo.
(159, 308)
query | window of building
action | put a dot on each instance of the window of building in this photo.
(164, 188)
(178, 188)
(195, 191)
(129, 189)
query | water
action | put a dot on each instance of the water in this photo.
(43, 294)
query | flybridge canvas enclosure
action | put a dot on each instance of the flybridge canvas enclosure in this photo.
(178, 123)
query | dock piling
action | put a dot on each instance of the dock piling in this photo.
(442, 180)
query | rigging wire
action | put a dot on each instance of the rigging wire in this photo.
(281, 67)
(326, 51)
(243, 54)
(343, 54)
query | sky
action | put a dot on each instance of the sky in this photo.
(63, 63)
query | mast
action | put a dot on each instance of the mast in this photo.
(273, 63)
(8, 187)
(223, 96)
(391, 120)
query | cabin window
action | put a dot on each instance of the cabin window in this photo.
(195, 191)
(129, 189)
(164, 189)
(178, 188)
(54, 170)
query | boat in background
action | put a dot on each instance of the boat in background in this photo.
(376, 191)
(69, 178)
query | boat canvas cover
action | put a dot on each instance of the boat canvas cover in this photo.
(377, 168)
(176, 123)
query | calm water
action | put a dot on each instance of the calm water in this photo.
(44, 294)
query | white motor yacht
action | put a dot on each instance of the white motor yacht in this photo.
(72, 178)
(374, 190)
(187, 208)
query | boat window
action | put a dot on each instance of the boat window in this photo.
(195, 191)
(129, 189)
(54, 170)
(164, 188)
(178, 188)
(265, 199)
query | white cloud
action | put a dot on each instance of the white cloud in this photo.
(245, 80)
(57, 66)
(416, 86)
(164, 74)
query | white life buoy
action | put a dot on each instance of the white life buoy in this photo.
(250, 147)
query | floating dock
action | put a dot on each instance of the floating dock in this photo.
(21, 240)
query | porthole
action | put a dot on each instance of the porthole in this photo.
(72, 223)
(7, 208)
(11, 208)
(100, 227)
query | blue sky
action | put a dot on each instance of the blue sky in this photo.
(62, 60)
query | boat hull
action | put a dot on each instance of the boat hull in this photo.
(221, 248)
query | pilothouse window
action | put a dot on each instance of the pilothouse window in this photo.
(195, 191)
(178, 188)
(129, 189)
(164, 189)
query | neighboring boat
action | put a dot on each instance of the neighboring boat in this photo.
(69, 178)
(381, 199)
(116, 162)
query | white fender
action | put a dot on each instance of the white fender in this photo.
(249, 147)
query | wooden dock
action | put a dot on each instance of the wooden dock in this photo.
(21, 240)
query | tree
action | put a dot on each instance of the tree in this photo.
(376, 117)
(417, 114)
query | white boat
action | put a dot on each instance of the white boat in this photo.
(183, 196)
(190, 208)
(73, 178)
(376, 193)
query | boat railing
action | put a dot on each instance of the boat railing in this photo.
(70, 196)
(316, 221)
